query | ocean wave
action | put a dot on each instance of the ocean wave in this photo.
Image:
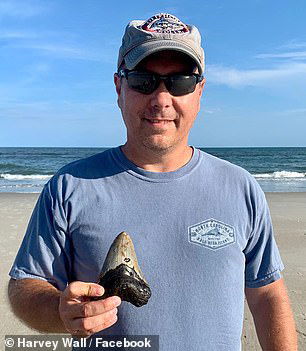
(281, 175)
(9, 176)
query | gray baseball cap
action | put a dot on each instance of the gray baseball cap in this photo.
(162, 31)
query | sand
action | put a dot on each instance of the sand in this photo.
(288, 212)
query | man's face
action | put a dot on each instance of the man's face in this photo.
(159, 121)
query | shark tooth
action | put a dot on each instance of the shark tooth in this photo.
(121, 274)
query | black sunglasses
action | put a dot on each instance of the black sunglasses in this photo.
(146, 82)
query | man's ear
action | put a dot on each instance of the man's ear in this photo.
(202, 84)
(117, 82)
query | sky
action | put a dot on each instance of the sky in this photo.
(57, 60)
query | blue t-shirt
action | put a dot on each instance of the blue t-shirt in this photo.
(201, 234)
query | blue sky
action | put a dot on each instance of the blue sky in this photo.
(57, 60)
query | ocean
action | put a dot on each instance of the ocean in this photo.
(27, 169)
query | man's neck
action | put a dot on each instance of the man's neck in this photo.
(156, 161)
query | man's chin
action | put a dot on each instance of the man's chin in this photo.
(160, 145)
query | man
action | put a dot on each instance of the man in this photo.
(200, 225)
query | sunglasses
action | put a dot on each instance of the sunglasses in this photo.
(146, 82)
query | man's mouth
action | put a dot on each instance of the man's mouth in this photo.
(158, 122)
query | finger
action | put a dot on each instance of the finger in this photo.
(81, 334)
(92, 308)
(86, 326)
(81, 289)
(105, 325)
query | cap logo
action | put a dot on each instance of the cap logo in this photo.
(165, 23)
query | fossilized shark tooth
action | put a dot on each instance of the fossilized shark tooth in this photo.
(121, 274)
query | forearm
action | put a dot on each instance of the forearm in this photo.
(36, 303)
(274, 321)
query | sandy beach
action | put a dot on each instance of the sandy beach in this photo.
(288, 212)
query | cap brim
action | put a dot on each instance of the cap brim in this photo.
(136, 55)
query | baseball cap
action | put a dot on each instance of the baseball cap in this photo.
(162, 31)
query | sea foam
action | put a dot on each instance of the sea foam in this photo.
(9, 176)
(281, 175)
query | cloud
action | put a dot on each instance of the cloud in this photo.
(293, 44)
(17, 35)
(212, 111)
(61, 50)
(24, 9)
(13, 35)
(233, 77)
(295, 52)
(56, 45)
(56, 111)
(295, 111)
(289, 68)
(295, 55)
(24, 83)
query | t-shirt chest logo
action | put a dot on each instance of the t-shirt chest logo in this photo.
(211, 234)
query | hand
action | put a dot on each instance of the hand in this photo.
(83, 317)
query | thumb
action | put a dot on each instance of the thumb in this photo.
(81, 289)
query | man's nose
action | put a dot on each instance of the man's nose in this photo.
(161, 98)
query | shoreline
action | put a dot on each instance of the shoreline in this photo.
(288, 211)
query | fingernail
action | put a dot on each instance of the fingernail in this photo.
(99, 291)
(117, 300)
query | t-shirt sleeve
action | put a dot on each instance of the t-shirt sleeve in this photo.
(45, 250)
(263, 261)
